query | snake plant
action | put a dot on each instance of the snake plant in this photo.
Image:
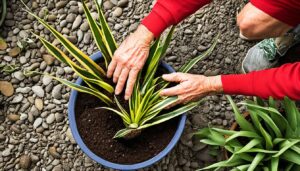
(145, 105)
(269, 140)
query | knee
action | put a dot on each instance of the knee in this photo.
(247, 28)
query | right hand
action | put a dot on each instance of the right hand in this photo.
(129, 59)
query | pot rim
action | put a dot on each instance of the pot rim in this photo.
(98, 159)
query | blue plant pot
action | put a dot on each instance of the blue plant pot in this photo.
(71, 113)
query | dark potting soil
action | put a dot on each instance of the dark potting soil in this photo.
(97, 128)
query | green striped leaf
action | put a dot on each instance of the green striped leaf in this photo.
(291, 156)
(285, 145)
(249, 146)
(247, 134)
(188, 66)
(99, 38)
(257, 159)
(125, 118)
(82, 58)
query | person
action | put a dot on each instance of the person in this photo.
(275, 21)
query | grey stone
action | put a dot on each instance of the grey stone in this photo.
(6, 152)
(19, 75)
(117, 12)
(47, 80)
(70, 18)
(56, 92)
(107, 5)
(17, 99)
(84, 27)
(59, 117)
(61, 4)
(50, 119)
(23, 90)
(38, 90)
(37, 122)
(122, 3)
(77, 22)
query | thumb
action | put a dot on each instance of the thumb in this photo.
(175, 77)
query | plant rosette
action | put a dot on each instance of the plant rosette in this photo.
(261, 139)
(118, 134)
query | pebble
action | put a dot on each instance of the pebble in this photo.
(56, 92)
(17, 99)
(59, 117)
(61, 4)
(39, 104)
(70, 18)
(6, 152)
(19, 75)
(51, 17)
(87, 38)
(117, 12)
(48, 59)
(85, 26)
(14, 52)
(6, 88)
(70, 136)
(23, 116)
(54, 153)
(37, 122)
(46, 80)
(25, 161)
(13, 117)
(38, 90)
(122, 3)
(77, 22)
(23, 59)
(50, 119)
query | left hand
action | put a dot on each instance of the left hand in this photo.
(191, 87)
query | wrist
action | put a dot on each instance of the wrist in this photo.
(215, 84)
(144, 34)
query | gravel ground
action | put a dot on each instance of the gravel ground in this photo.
(34, 132)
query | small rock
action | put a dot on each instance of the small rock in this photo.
(38, 90)
(133, 27)
(46, 80)
(50, 119)
(48, 59)
(23, 90)
(17, 99)
(6, 152)
(77, 22)
(70, 136)
(56, 92)
(6, 88)
(107, 5)
(122, 3)
(3, 44)
(51, 17)
(14, 52)
(25, 161)
(117, 12)
(19, 75)
(13, 117)
(39, 104)
(70, 18)
(59, 117)
(37, 122)
(85, 26)
(61, 4)
(54, 153)
(23, 116)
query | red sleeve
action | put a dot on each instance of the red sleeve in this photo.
(170, 12)
(287, 11)
(275, 82)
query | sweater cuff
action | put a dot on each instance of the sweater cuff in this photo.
(238, 84)
(158, 20)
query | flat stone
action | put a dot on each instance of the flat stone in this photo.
(6, 88)
(51, 17)
(6, 152)
(59, 117)
(14, 52)
(85, 26)
(61, 4)
(25, 161)
(70, 18)
(56, 92)
(77, 22)
(19, 75)
(38, 90)
(50, 119)
(122, 3)
(48, 59)
(117, 12)
(23, 116)
(23, 90)
(37, 122)
(13, 117)
(39, 104)
(70, 136)
(54, 153)
(107, 5)
(17, 99)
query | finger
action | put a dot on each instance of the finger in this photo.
(111, 68)
(173, 91)
(174, 77)
(117, 73)
(121, 81)
(130, 82)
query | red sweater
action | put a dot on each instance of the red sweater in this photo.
(276, 82)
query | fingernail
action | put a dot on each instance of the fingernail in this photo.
(126, 97)
(117, 92)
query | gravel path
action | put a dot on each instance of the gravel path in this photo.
(34, 130)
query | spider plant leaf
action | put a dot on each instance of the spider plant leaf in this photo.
(3, 11)
(108, 37)
(257, 159)
(224, 131)
(285, 145)
(242, 167)
(247, 134)
(124, 117)
(121, 107)
(274, 163)
(291, 113)
(123, 132)
(210, 142)
(170, 115)
(161, 105)
(291, 156)
(83, 89)
(259, 150)
(243, 123)
(167, 42)
(231, 162)
(85, 75)
(296, 149)
(153, 50)
(99, 37)
(249, 146)
(188, 66)
(82, 58)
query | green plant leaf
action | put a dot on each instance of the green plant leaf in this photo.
(285, 145)
(125, 118)
(82, 58)
(259, 157)
(249, 146)
(167, 116)
(247, 134)
(123, 132)
(274, 163)
(291, 156)
(188, 66)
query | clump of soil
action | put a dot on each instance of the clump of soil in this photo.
(98, 126)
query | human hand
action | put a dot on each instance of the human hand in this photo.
(129, 59)
(191, 87)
